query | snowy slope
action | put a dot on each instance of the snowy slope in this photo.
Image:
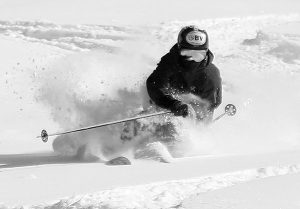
(275, 192)
(98, 185)
(60, 77)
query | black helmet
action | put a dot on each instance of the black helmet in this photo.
(191, 37)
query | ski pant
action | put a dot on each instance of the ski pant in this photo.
(163, 127)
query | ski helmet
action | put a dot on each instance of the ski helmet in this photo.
(191, 37)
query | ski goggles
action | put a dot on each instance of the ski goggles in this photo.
(196, 55)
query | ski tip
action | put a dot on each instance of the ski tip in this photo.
(119, 161)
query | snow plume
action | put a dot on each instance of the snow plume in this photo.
(88, 88)
(266, 120)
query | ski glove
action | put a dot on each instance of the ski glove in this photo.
(180, 109)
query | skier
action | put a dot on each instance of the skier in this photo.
(185, 81)
(187, 69)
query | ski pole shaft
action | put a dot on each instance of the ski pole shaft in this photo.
(229, 110)
(44, 135)
(219, 117)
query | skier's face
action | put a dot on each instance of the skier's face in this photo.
(193, 55)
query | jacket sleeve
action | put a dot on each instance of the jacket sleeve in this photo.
(218, 97)
(217, 100)
(157, 83)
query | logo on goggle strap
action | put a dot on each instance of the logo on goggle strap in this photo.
(196, 38)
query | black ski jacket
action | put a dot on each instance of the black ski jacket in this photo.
(171, 78)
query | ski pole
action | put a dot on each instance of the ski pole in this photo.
(230, 110)
(44, 135)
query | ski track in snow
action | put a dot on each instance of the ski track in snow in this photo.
(166, 194)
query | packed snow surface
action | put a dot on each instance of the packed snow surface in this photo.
(275, 192)
(59, 77)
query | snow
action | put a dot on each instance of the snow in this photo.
(262, 193)
(66, 69)
(98, 185)
(137, 12)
